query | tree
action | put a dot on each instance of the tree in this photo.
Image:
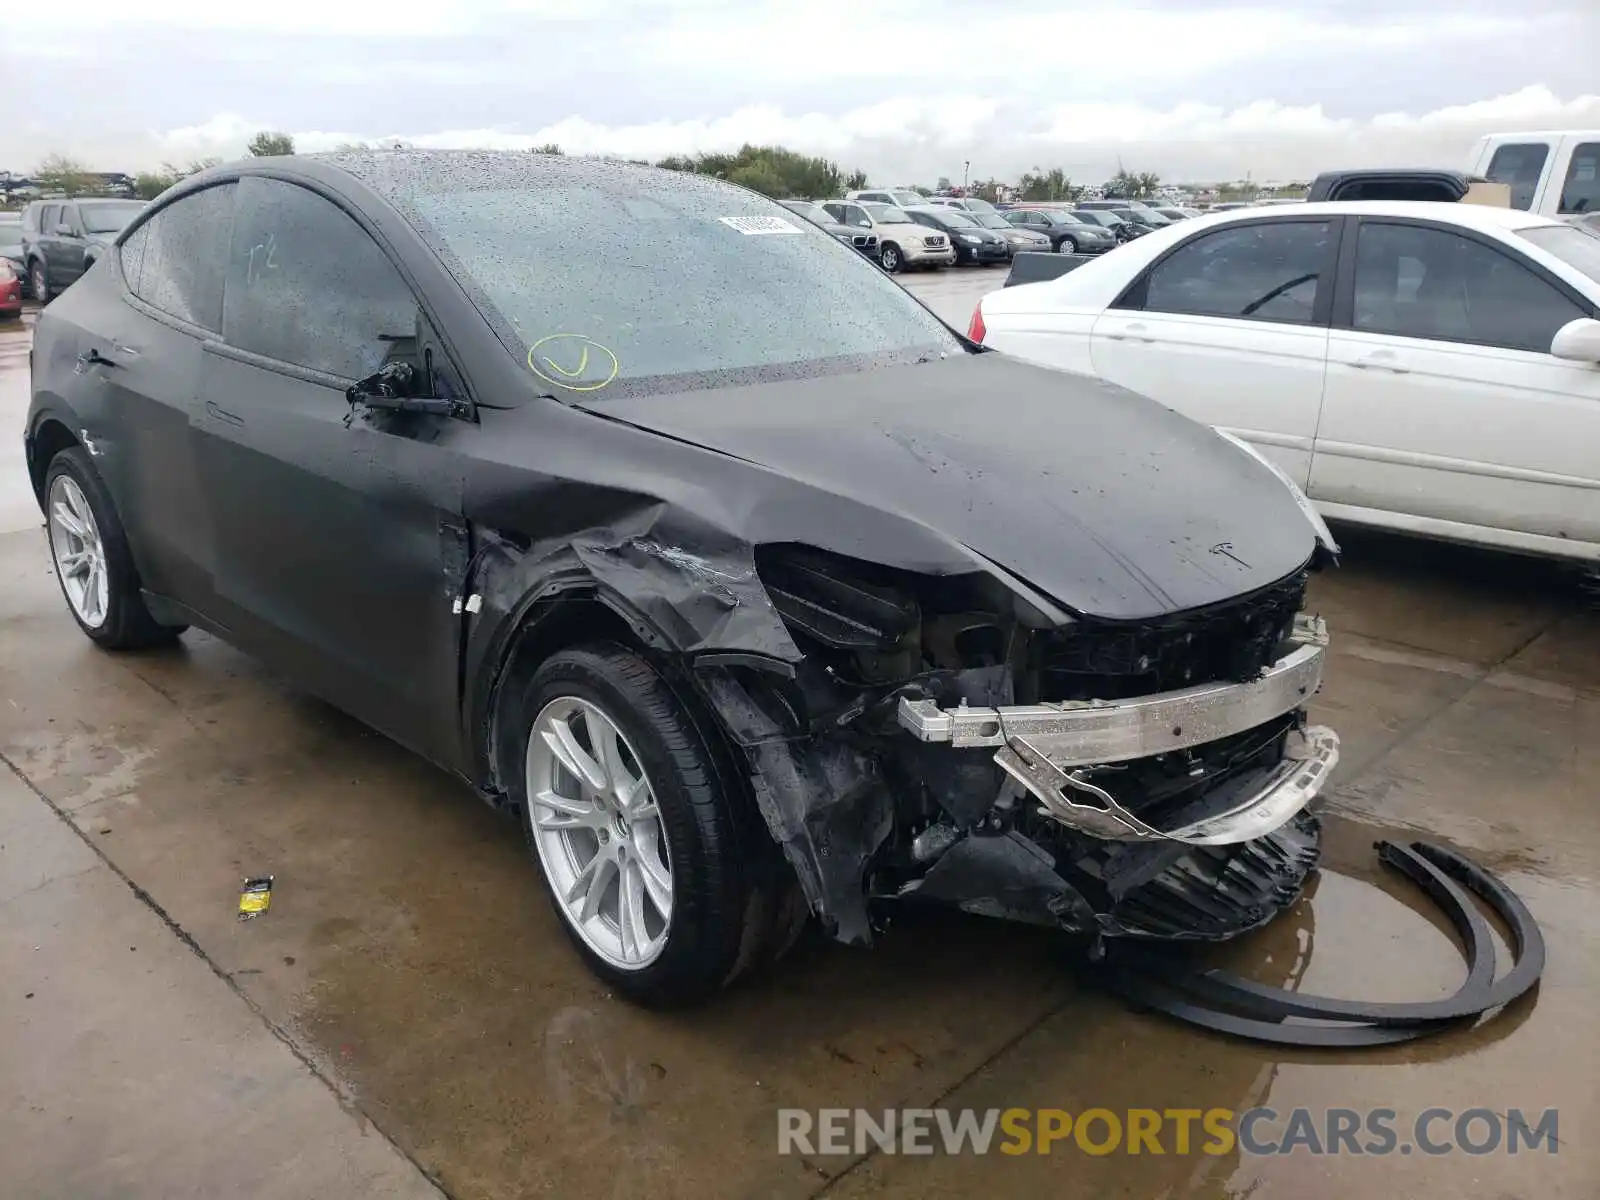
(1039, 184)
(772, 170)
(147, 185)
(855, 181)
(58, 173)
(942, 184)
(547, 148)
(1129, 185)
(268, 143)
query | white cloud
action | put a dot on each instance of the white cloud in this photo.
(919, 138)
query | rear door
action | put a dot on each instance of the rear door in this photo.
(1443, 402)
(1230, 327)
(332, 532)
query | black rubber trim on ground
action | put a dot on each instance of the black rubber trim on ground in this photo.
(1260, 1013)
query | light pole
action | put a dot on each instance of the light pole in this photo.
(966, 168)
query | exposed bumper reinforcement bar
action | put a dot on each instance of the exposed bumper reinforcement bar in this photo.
(1042, 745)
(1078, 803)
(1085, 733)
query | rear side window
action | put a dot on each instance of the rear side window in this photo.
(1267, 272)
(185, 253)
(47, 219)
(1581, 191)
(1435, 284)
(131, 253)
(1519, 167)
(308, 286)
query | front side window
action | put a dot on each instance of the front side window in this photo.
(1519, 167)
(308, 286)
(711, 282)
(1432, 283)
(1581, 191)
(183, 250)
(49, 218)
(1266, 271)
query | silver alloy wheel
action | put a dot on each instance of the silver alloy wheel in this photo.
(41, 284)
(79, 551)
(599, 833)
(890, 257)
(1068, 246)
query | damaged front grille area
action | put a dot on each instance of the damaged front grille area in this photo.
(1101, 660)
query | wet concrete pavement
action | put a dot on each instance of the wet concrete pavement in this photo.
(411, 959)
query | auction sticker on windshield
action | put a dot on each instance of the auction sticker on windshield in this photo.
(573, 361)
(753, 226)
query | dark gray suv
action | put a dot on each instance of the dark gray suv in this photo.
(61, 239)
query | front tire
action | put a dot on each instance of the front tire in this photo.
(1067, 246)
(93, 563)
(891, 259)
(663, 882)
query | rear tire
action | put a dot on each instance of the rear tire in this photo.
(39, 281)
(93, 563)
(667, 820)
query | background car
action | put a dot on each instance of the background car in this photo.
(1068, 232)
(10, 292)
(1143, 219)
(857, 239)
(1020, 237)
(11, 244)
(902, 242)
(971, 204)
(1426, 368)
(899, 197)
(1122, 230)
(62, 239)
(1173, 212)
(973, 243)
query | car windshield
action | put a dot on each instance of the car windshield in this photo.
(109, 217)
(713, 286)
(1576, 247)
(954, 218)
(904, 198)
(888, 214)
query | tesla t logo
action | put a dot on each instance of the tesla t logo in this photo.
(1225, 549)
(573, 361)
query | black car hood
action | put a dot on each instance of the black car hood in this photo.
(1105, 501)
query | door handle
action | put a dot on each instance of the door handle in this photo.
(1131, 333)
(1380, 360)
(213, 409)
(93, 358)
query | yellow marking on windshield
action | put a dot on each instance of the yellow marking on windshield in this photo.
(563, 376)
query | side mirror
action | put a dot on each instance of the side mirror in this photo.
(1578, 341)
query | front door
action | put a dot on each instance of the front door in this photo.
(334, 537)
(1230, 328)
(1443, 401)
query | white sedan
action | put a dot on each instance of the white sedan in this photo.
(1428, 368)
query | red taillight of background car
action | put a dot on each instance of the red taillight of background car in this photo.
(975, 331)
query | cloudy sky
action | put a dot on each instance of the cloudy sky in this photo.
(906, 89)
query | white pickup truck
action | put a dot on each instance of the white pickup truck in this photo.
(1554, 174)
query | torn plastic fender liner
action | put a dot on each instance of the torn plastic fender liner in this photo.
(1262, 1013)
(824, 802)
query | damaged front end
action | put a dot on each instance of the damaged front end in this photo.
(956, 739)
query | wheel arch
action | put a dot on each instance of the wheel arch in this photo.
(49, 437)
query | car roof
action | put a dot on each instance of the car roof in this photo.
(1472, 216)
